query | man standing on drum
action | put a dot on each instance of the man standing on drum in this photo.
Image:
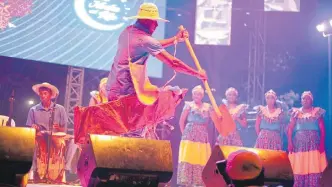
(40, 114)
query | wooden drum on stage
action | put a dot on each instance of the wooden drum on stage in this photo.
(56, 162)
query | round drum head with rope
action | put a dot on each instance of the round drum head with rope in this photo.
(243, 165)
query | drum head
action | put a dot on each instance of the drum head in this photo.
(59, 134)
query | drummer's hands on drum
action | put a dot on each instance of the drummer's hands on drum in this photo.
(182, 35)
(57, 127)
(202, 75)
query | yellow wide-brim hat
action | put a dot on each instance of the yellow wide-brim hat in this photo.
(53, 89)
(148, 11)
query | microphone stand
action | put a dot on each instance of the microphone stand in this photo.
(49, 137)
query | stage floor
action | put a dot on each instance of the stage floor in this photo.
(50, 185)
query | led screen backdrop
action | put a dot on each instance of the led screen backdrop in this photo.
(213, 22)
(282, 5)
(71, 32)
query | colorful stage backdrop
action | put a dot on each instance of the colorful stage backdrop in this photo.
(71, 32)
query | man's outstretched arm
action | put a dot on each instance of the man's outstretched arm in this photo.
(155, 48)
(168, 42)
(179, 37)
(178, 65)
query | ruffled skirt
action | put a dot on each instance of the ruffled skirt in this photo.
(233, 139)
(307, 161)
(268, 139)
(193, 155)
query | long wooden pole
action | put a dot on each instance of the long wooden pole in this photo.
(222, 119)
(205, 82)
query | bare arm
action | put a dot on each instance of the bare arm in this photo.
(154, 47)
(168, 42)
(92, 102)
(290, 131)
(258, 123)
(322, 133)
(63, 121)
(183, 119)
(176, 64)
(30, 120)
(180, 36)
(59, 128)
(243, 120)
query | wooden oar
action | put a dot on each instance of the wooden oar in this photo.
(223, 121)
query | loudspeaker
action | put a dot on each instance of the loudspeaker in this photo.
(277, 167)
(119, 161)
(16, 154)
(326, 178)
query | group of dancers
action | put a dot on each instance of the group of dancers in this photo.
(304, 127)
(128, 77)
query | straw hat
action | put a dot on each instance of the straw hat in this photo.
(53, 89)
(148, 11)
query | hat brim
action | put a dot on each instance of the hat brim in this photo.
(54, 89)
(142, 17)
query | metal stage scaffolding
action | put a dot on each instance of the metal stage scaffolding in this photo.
(74, 94)
(257, 59)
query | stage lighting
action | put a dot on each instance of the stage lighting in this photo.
(325, 28)
(31, 102)
(320, 27)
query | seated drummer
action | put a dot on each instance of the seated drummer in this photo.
(39, 115)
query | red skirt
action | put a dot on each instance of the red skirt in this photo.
(124, 115)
